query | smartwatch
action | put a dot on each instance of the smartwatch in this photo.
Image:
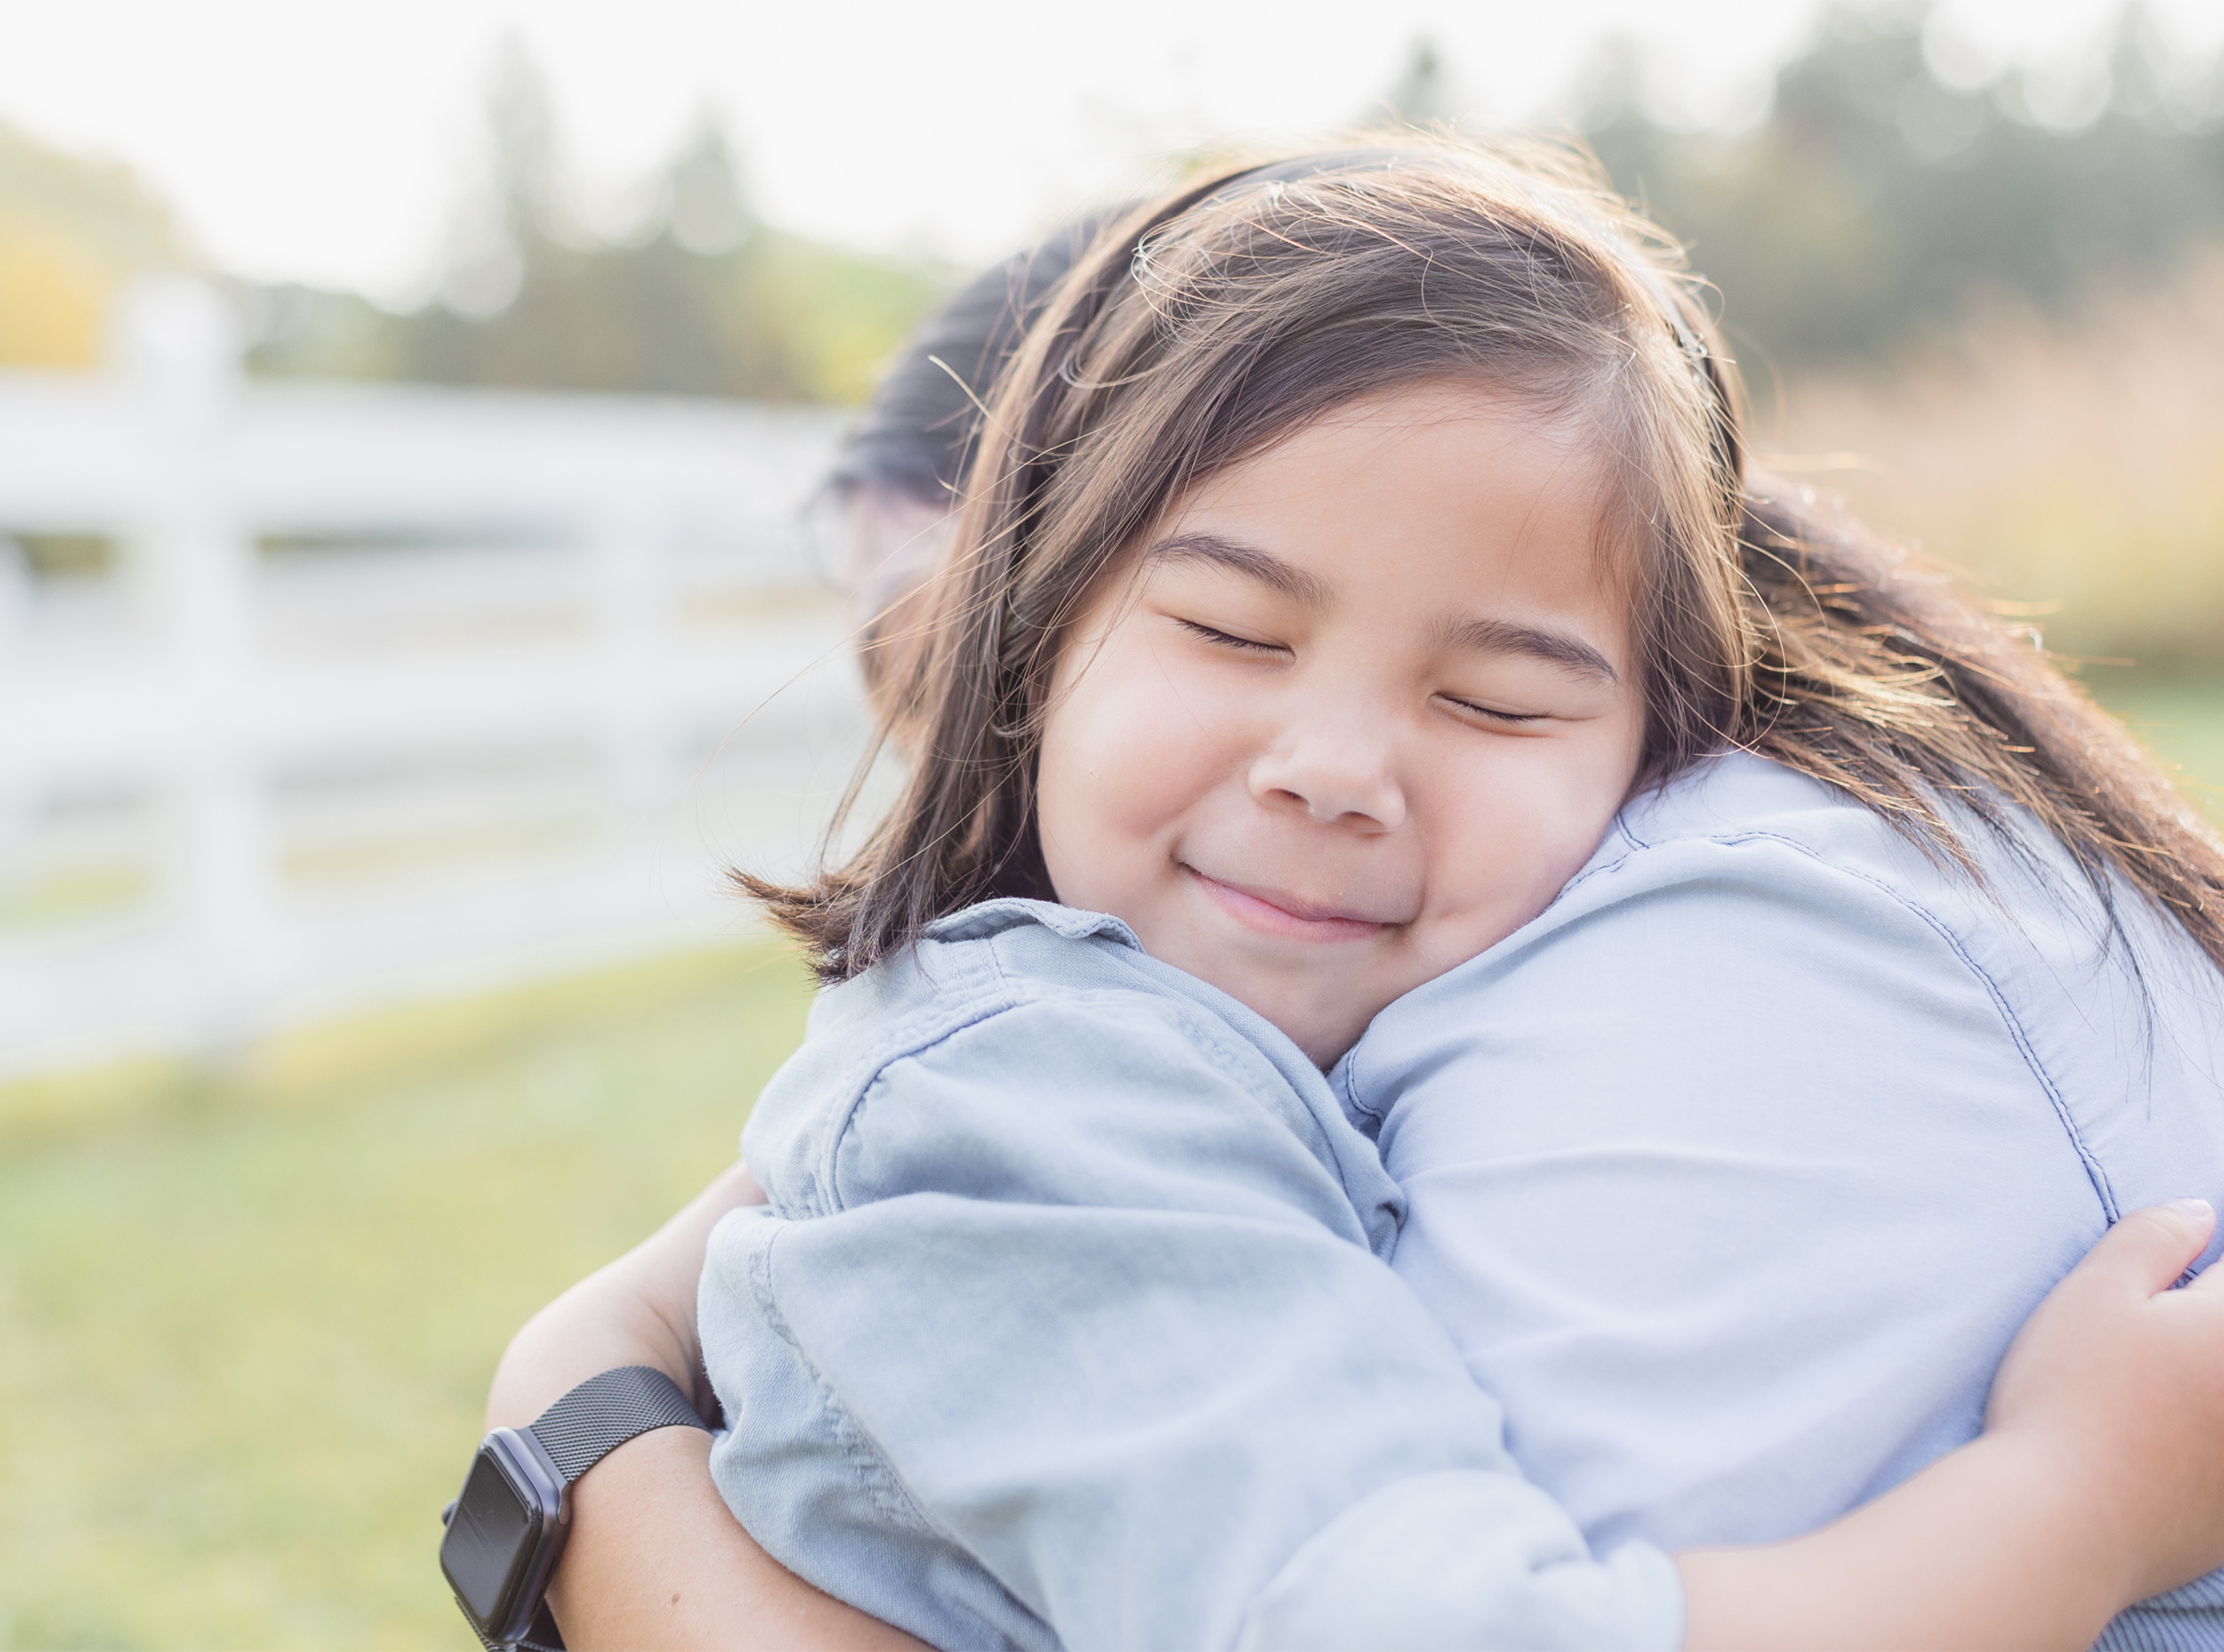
(507, 1526)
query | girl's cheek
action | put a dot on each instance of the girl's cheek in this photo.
(1522, 823)
(1125, 751)
(1168, 723)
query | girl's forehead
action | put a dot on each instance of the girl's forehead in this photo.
(1458, 485)
(1466, 444)
(1554, 424)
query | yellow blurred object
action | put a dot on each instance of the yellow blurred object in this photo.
(53, 296)
(72, 231)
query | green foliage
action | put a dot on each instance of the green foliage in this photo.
(247, 1317)
(307, 332)
(699, 298)
(844, 315)
(1875, 202)
(777, 319)
(79, 554)
(1863, 215)
(1423, 94)
(104, 204)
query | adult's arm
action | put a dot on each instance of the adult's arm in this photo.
(2029, 1538)
(654, 1557)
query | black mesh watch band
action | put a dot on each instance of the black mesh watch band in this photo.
(542, 1637)
(604, 1411)
(579, 1430)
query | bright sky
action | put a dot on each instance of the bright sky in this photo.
(332, 141)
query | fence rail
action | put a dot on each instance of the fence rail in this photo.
(368, 691)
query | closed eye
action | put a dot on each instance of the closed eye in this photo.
(1491, 715)
(1227, 639)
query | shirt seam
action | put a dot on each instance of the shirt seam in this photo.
(1233, 1055)
(1209, 1034)
(1637, 844)
(883, 1484)
(922, 1034)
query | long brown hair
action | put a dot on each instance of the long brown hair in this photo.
(1203, 327)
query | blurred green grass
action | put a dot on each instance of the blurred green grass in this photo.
(2181, 720)
(247, 1316)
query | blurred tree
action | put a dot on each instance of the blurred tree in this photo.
(71, 232)
(701, 298)
(1872, 204)
(1876, 200)
(1424, 92)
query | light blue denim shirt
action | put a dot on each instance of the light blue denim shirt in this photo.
(1070, 1323)
(1734, 1174)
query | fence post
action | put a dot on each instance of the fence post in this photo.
(177, 347)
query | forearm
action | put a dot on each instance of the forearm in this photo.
(654, 1557)
(1985, 1548)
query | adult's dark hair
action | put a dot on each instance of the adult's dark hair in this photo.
(919, 430)
(896, 480)
(1200, 328)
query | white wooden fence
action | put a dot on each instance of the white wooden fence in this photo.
(387, 690)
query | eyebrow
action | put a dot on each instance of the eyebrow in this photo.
(1268, 569)
(1556, 647)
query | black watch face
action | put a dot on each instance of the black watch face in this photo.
(491, 1539)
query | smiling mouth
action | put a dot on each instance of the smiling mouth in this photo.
(1271, 912)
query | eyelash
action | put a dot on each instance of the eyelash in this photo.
(1222, 639)
(1496, 716)
(1246, 645)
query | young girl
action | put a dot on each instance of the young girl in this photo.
(1355, 537)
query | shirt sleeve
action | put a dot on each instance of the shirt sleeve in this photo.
(1088, 1343)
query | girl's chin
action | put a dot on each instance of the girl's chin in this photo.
(1321, 1022)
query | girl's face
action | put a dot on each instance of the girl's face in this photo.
(1363, 705)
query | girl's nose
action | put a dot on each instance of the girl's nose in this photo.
(1333, 775)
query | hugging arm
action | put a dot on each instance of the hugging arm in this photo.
(654, 1557)
(2080, 1497)
(1091, 1322)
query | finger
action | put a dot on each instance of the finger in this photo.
(2149, 1249)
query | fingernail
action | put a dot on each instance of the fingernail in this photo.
(2198, 1209)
